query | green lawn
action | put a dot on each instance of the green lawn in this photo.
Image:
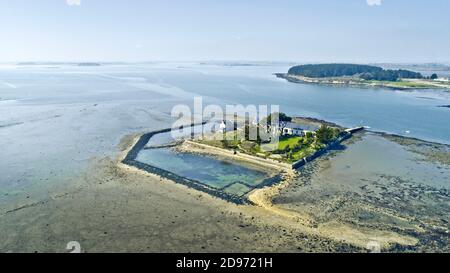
(411, 84)
(284, 142)
(307, 150)
(291, 142)
(403, 84)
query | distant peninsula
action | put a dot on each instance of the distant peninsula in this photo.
(362, 75)
(89, 64)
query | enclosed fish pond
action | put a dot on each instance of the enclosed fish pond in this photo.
(229, 180)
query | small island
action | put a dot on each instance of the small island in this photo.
(363, 76)
(244, 162)
(300, 140)
(89, 64)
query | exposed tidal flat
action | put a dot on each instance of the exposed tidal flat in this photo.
(380, 182)
(119, 209)
(61, 177)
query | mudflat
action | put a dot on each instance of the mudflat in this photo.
(115, 209)
(410, 196)
(331, 206)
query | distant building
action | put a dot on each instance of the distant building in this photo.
(228, 126)
(223, 126)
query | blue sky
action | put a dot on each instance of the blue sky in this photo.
(182, 30)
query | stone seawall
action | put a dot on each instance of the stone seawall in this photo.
(130, 160)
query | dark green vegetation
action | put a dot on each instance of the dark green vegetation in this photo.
(391, 75)
(282, 117)
(327, 134)
(332, 70)
(366, 72)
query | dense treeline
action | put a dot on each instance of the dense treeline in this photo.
(332, 70)
(391, 75)
(366, 72)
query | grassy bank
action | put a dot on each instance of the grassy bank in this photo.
(401, 84)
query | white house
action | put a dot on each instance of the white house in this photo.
(295, 129)
(292, 130)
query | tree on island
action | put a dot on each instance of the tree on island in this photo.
(282, 117)
(325, 134)
(434, 76)
(390, 75)
(332, 70)
(366, 72)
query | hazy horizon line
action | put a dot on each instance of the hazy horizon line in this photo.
(238, 61)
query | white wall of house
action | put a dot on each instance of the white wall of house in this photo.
(292, 132)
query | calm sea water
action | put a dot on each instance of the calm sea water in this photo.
(54, 120)
(412, 113)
